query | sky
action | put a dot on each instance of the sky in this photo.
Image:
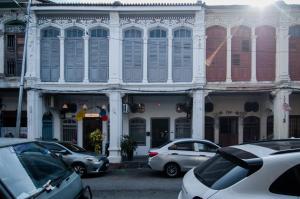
(208, 2)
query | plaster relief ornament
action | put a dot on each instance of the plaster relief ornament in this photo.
(63, 21)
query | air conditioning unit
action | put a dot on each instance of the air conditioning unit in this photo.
(125, 108)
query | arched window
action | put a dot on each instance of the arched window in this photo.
(133, 55)
(182, 63)
(209, 128)
(270, 127)
(50, 54)
(74, 55)
(158, 56)
(183, 128)
(251, 129)
(294, 51)
(241, 53)
(69, 130)
(137, 130)
(47, 131)
(216, 53)
(14, 34)
(265, 53)
(98, 55)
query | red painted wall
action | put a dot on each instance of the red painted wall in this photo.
(294, 57)
(265, 53)
(216, 56)
(241, 72)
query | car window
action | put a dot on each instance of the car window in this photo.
(73, 147)
(52, 147)
(219, 173)
(205, 147)
(182, 146)
(288, 183)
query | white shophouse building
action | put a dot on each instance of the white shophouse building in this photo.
(162, 72)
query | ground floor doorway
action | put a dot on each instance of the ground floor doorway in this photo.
(228, 131)
(90, 124)
(159, 131)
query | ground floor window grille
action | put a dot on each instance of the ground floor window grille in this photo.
(69, 129)
(182, 128)
(137, 130)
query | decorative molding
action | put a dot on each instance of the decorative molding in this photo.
(6, 16)
(169, 21)
(83, 20)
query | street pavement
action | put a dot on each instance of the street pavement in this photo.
(133, 184)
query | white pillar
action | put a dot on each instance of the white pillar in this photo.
(253, 55)
(281, 116)
(145, 57)
(228, 67)
(263, 126)
(216, 129)
(241, 130)
(170, 48)
(1, 49)
(115, 49)
(198, 115)
(282, 54)
(62, 57)
(31, 55)
(115, 114)
(86, 58)
(38, 58)
(104, 135)
(80, 133)
(34, 114)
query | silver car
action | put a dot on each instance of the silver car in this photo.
(82, 161)
(28, 170)
(181, 155)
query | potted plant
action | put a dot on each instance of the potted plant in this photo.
(128, 146)
(96, 140)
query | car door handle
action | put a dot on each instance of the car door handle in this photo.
(174, 153)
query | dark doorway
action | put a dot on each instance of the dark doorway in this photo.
(294, 130)
(160, 131)
(209, 128)
(228, 131)
(47, 130)
(251, 129)
(90, 124)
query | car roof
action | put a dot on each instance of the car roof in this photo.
(4, 142)
(191, 139)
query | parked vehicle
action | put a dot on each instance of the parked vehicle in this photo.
(262, 170)
(29, 170)
(82, 161)
(181, 155)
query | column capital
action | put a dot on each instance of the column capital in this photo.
(86, 37)
(61, 38)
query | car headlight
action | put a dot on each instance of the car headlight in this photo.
(91, 159)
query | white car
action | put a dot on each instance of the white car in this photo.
(262, 170)
(181, 155)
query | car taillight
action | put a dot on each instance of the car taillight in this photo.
(152, 154)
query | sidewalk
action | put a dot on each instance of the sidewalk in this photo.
(137, 162)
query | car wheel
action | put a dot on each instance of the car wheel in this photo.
(80, 169)
(172, 170)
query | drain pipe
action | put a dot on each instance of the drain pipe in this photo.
(21, 89)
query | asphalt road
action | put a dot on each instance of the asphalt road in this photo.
(133, 184)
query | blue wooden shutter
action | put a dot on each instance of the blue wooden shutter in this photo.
(74, 57)
(133, 59)
(182, 57)
(157, 59)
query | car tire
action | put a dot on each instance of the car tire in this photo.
(79, 169)
(172, 170)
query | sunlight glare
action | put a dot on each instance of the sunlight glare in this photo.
(261, 3)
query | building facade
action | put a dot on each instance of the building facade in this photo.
(159, 72)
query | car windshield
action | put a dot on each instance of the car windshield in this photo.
(25, 168)
(219, 173)
(73, 147)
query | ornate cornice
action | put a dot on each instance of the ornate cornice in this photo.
(169, 21)
(83, 20)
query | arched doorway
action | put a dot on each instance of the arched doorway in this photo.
(47, 130)
(209, 128)
(251, 129)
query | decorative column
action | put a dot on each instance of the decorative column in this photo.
(253, 55)
(38, 57)
(282, 53)
(86, 57)
(1, 49)
(170, 49)
(115, 49)
(241, 130)
(217, 129)
(31, 55)
(34, 114)
(228, 70)
(198, 115)
(115, 103)
(281, 114)
(105, 134)
(62, 57)
(145, 57)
